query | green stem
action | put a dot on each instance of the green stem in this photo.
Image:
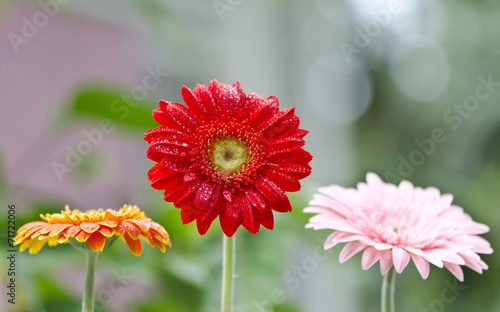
(228, 274)
(88, 292)
(388, 291)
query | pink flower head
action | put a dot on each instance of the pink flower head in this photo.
(395, 223)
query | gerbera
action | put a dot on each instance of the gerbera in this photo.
(93, 227)
(227, 154)
(394, 224)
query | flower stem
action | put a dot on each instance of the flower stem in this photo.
(88, 292)
(388, 291)
(228, 274)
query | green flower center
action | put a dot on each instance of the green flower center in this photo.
(229, 154)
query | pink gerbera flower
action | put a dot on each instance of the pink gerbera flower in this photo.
(394, 224)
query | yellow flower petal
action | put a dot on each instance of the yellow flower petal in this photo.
(93, 227)
(37, 245)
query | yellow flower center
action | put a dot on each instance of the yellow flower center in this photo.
(229, 154)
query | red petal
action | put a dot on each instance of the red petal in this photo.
(252, 100)
(166, 141)
(167, 133)
(239, 92)
(300, 133)
(227, 194)
(230, 217)
(204, 193)
(266, 218)
(250, 216)
(297, 156)
(207, 101)
(189, 214)
(286, 181)
(274, 125)
(255, 198)
(285, 145)
(264, 111)
(274, 196)
(177, 164)
(166, 149)
(269, 189)
(194, 104)
(285, 126)
(300, 171)
(173, 188)
(161, 177)
(282, 206)
(163, 119)
(228, 99)
(213, 208)
(181, 115)
(190, 188)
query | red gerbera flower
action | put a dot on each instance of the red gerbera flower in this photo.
(227, 154)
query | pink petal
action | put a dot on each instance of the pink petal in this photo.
(329, 243)
(455, 269)
(446, 255)
(433, 259)
(401, 258)
(350, 250)
(344, 237)
(422, 265)
(480, 244)
(473, 261)
(382, 246)
(414, 251)
(370, 256)
(329, 222)
(385, 261)
(373, 179)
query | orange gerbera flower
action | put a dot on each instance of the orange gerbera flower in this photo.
(93, 227)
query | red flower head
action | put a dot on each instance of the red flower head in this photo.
(227, 154)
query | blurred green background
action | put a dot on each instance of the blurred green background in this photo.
(399, 88)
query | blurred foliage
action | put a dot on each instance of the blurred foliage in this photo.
(113, 105)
